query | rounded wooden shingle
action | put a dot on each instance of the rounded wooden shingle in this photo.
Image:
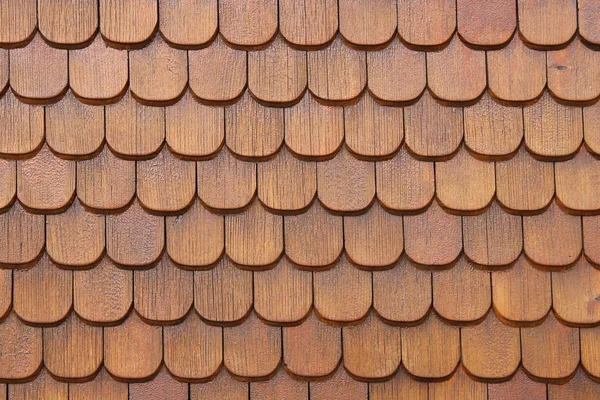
(128, 22)
(578, 182)
(22, 236)
(67, 22)
(547, 23)
(429, 23)
(485, 22)
(575, 294)
(21, 349)
(18, 20)
(589, 350)
(588, 27)
(188, 22)
(21, 126)
(8, 182)
(249, 23)
(367, 22)
(580, 387)
(308, 22)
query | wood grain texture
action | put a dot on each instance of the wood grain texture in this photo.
(67, 22)
(277, 75)
(589, 350)
(492, 129)
(103, 294)
(38, 72)
(218, 72)
(98, 72)
(42, 294)
(523, 183)
(188, 22)
(308, 22)
(428, 23)
(486, 23)
(157, 73)
(45, 182)
(20, 349)
(226, 183)
(431, 349)
(433, 238)
(346, 184)
(457, 73)
(4, 68)
(403, 293)
(519, 387)
(128, 22)
(516, 72)
(105, 182)
(287, 184)
(591, 127)
(249, 23)
(223, 294)
(405, 183)
(320, 358)
(128, 245)
(363, 344)
(460, 385)
(432, 130)
(255, 237)
(342, 294)
(133, 129)
(166, 183)
(8, 182)
(588, 28)
(6, 296)
(339, 386)
(193, 349)
(580, 387)
(553, 238)
(313, 129)
(547, 23)
(494, 238)
(253, 349)
(253, 130)
(521, 293)
(196, 238)
(367, 23)
(22, 236)
(75, 237)
(163, 385)
(223, 387)
(73, 128)
(373, 130)
(577, 182)
(337, 73)
(21, 126)
(43, 387)
(401, 386)
(550, 350)
(465, 183)
(73, 349)
(163, 293)
(283, 295)
(101, 387)
(490, 350)
(462, 293)
(575, 294)
(281, 386)
(388, 86)
(17, 20)
(193, 129)
(374, 239)
(133, 350)
(574, 72)
(591, 238)
(314, 238)
(551, 129)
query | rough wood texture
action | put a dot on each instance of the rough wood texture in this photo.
(283, 295)
(133, 350)
(588, 29)
(252, 349)
(486, 23)
(308, 22)
(314, 238)
(249, 23)
(20, 349)
(337, 73)
(589, 350)
(577, 183)
(103, 386)
(207, 342)
(547, 23)
(188, 22)
(128, 22)
(23, 236)
(433, 238)
(367, 23)
(521, 293)
(428, 23)
(343, 293)
(574, 72)
(163, 385)
(399, 387)
(223, 387)
(44, 387)
(321, 357)
(103, 294)
(520, 387)
(339, 386)
(580, 387)
(21, 126)
(163, 293)
(575, 294)
(73, 349)
(403, 293)
(460, 385)
(17, 20)
(67, 22)
(591, 238)
(277, 75)
(8, 182)
(223, 294)
(281, 386)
